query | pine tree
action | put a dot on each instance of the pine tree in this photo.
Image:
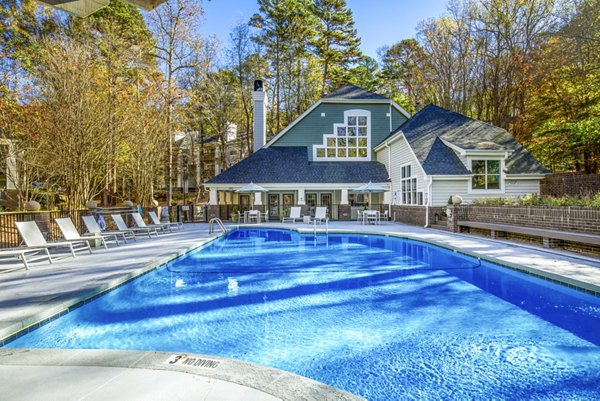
(286, 31)
(337, 43)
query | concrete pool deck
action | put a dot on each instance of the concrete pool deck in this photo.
(28, 297)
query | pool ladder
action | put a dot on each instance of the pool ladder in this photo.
(211, 227)
(326, 227)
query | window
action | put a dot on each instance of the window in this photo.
(409, 187)
(349, 140)
(486, 174)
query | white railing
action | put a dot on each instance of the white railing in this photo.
(326, 226)
(211, 225)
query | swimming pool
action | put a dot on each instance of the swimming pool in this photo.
(381, 317)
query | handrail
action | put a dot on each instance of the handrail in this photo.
(211, 227)
(326, 226)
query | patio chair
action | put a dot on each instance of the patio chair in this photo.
(21, 253)
(118, 219)
(294, 214)
(254, 215)
(169, 224)
(321, 214)
(69, 231)
(385, 216)
(139, 221)
(34, 238)
(359, 216)
(94, 229)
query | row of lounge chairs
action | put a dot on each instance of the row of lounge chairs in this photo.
(35, 242)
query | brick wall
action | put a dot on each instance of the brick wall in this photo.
(415, 215)
(558, 218)
(573, 184)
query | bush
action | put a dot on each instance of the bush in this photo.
(534, 200)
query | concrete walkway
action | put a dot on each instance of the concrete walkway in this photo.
(28, 297)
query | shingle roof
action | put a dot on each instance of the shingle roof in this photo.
(291, 165)
(353, 92)
(426, 130)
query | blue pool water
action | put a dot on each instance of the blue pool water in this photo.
(381, 317)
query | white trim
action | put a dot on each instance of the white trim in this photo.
(293, 123)
(470, 189)
(400, 109)
(337, 100)
(412, 152)
(293, 186)
(409, 178)
(478, 152)
(388, 141)
(451, 177)
(335, 137)
(525, 176)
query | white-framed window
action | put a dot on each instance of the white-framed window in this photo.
(350, 140)
(408, 185)
(487, 175)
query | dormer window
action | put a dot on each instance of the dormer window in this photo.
(350, 140)
(486, 174)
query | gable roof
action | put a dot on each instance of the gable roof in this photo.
(427, 131)
(346, 94)
(353, 92)
(290, 164)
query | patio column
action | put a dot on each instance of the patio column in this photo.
(258, 199)
(344, 200)
(213, 197)
(387, 198)
(301, 197)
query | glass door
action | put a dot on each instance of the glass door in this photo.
(274, 206)
(287, 203)
(326, 200)
(244, 203)
(311, 202)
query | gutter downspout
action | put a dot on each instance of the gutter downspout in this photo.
(387, 145)
(429, 185)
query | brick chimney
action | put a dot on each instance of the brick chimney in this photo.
(259, 98)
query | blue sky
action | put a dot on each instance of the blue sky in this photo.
(379, 22)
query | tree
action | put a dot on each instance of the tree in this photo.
(403, 72)
(563, 127)
(286, 29)
(124, 46)
(336, 44)
(175, 27)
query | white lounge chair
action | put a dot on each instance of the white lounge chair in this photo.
(34, 238)
(156, 220)
(94, 229)
(321, 214)
(294, 214)
(123, 227)
(69, 231)
(139, 221)
(21, 253)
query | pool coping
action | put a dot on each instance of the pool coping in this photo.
(62, 357)
(18, 329)
(9, 333)
(275, 382)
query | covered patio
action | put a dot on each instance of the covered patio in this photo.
(341, 200)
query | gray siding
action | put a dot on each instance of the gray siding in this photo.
(442, 190)
(310, 130)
